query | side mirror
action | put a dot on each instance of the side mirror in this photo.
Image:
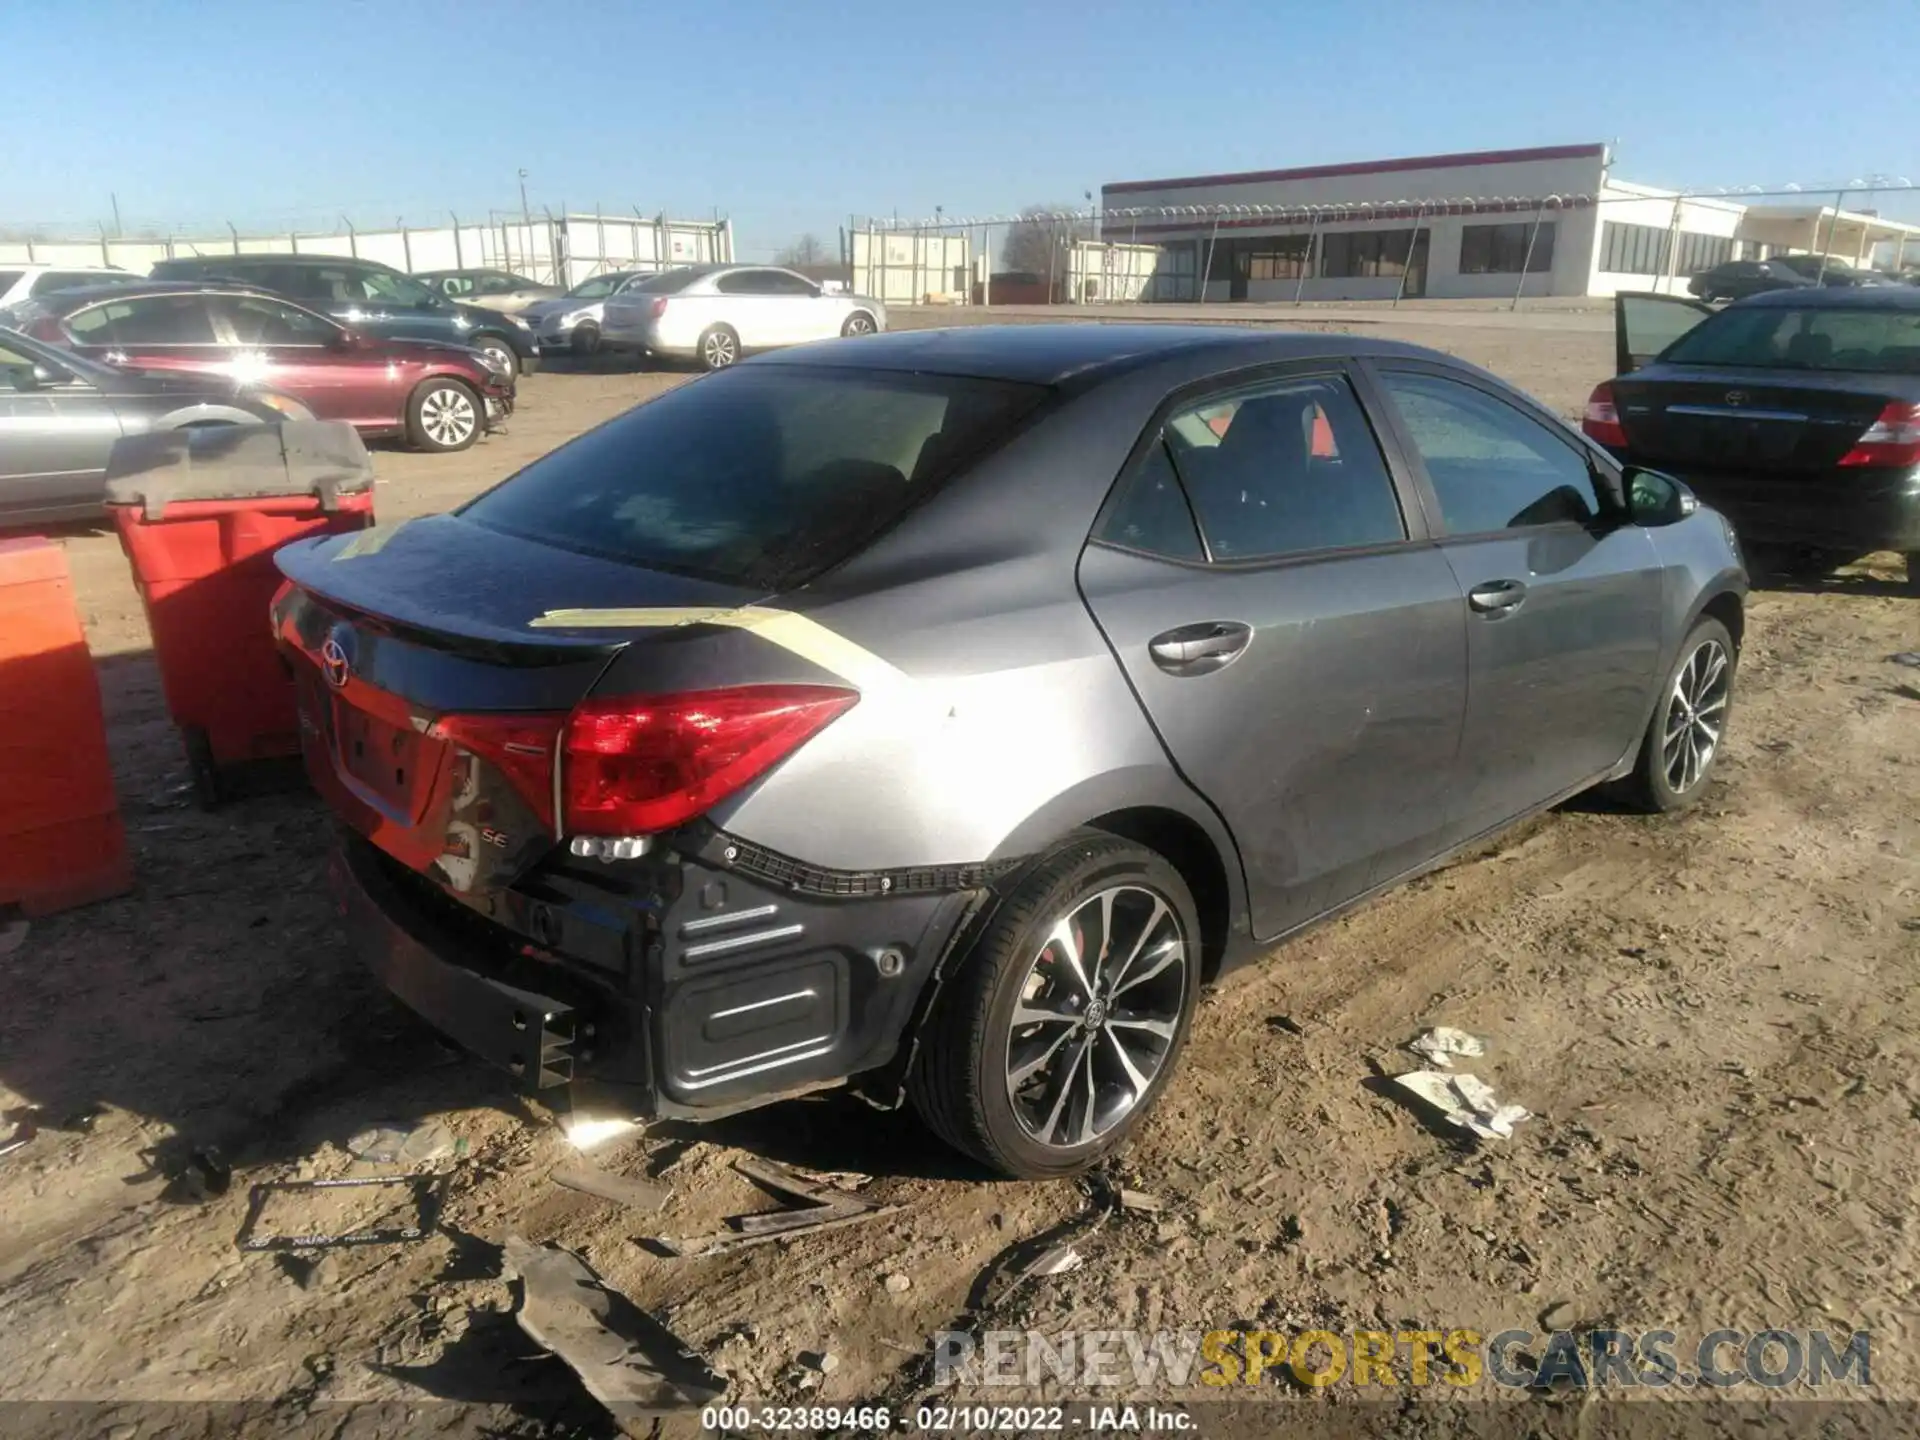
(344, 340)
(1657, 499)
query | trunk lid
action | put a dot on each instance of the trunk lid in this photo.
(429, 706)
(1783, 423)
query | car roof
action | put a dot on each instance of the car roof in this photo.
(289, 258)
(1052, 354)
(66, 301)
(1863, 297)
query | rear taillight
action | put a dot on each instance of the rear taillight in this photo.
(642, 764)
(1893, 440)
(520, 747)
(1602, 420)
(658, 307)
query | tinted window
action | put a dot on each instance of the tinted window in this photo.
(154, 320)
(748, 282)
(1774, 337)
(1150, 513)
(667, 282)
(256, 321)
(778, 282)
(8, 279)
(1493, 467)
(346, 286)
(762, 476)
(1284, 470)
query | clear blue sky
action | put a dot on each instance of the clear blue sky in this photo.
(789, 116)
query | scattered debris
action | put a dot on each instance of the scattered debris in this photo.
(1906, 657)
(1443, 1041)
(13, 936)
(429, 1196)
(1465, 1101)
(899, 1284)
(1140, 1200)
(207, 1173)
(618, 1188)
(1060, 1260)
(627, 1360)
(1285, 1024)
(23, 1133)
(823, 1361)
(391, 1144)
(821, 1207)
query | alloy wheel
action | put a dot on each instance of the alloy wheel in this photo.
(1097, 1016)
(859, 325)
(447, 416)
(1696, 714)
(718, 350)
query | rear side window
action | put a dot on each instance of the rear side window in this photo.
(154, 320)
(54, 280)
(762, 476)
(1285, 470)
(1150, 514)
(1493, 466)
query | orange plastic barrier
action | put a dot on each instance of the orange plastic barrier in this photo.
(61, 840)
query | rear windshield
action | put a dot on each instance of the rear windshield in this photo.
(668, 282)
(1772, 337)
(762, 476)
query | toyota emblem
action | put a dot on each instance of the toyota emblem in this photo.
(334, 663)
(1736, 397)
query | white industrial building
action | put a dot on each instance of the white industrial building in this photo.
(1552, 220)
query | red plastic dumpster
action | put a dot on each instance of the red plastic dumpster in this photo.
(200, 514)
(61, 839)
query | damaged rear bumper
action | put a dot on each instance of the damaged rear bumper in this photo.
(693, 983)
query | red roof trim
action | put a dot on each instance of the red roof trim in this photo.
(1367, 167)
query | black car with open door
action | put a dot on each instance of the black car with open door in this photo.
(1794, 413)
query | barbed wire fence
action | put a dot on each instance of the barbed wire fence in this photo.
(1200, 225)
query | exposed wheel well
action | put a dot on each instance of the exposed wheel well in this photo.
(1727, 609)
(1189, 850)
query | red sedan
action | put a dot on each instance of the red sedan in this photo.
(439, 397)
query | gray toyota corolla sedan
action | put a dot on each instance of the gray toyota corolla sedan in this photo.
(940, 712)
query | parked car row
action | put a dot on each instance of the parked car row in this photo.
(348, 339)
(1737, 279)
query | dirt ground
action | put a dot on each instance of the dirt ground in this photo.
(1711, 1018)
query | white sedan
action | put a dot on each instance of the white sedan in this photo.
(716, 313)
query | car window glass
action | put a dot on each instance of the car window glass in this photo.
(258, 321)
(53, 280)
(596, 288)
(1283, 470)
(762, 476)
(454, 285)
(778, 283)
(1150, 513)
(493, 284)
(1493, 467)
(153, 320)
(1880, 342)
(8, 279)
(744, 282)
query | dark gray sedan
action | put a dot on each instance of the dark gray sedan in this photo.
(940, 712)
(60, 414)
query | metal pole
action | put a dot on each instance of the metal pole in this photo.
(353, 238)
(1839, 199)
(236, 237)
(1306, 261)
(1527, 264)
(1673, 246)
(1413, 240)
(118, 230)
(1207, 274)
(459, 254)
(1899, 252)
(106, 255)
(1053, 254)
(406, 241)
(986, 274)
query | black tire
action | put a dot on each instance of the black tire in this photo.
(1653, 787)
(719, 347)
(585, 340)
(434, 415)
(501, 349)
(859, 323)
(960, 1082)
(209, 785)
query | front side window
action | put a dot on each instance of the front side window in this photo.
(1287, 469)
(763, 476)
(1493, 466)
(255, 320)
(598, 288)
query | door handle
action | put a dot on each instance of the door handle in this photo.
(1496, 597)
(1200, 649)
